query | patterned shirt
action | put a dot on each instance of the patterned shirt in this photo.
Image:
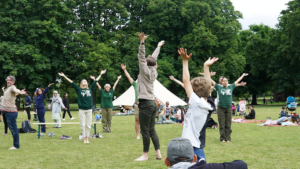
(9, 97)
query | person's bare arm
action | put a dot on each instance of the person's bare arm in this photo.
(114, 87)
(211, 73)
(102, 72)
(208, 63)
(157, 50)
(239, 79)
(123, 67)
(241, 84)
(185, 71)
(213, 83)
(3, 89)
(177, 81)
(18, 91)
(64, 76)
(99, 87)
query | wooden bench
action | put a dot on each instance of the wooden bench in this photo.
(39, 124)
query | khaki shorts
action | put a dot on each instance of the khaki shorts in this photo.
(136, 111)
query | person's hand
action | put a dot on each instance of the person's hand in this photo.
(171, 77)
(119, 77)
(23, 91)
(123, 66)
(3, 88)
(61, 74)
(210, 61)
(243, 83)
(92, 77)
(50, 84)
(183, 53)
(66, 108)
(156, 65)
(212, 73)
(245, 74)
(161, 43)
(103, 71)
(142, 36)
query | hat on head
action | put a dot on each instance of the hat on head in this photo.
(180, 148)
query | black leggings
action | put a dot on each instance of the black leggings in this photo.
(28, 113)
(68, 113)
(5, 123)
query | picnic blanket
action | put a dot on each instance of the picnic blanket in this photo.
(247, 121)
(280, 125)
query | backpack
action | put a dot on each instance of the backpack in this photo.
(26, 127)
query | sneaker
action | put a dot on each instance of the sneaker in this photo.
(64, 119)
(4, 134)
(72, 118)
(98, 135)
(80, 137)
(62, 137)
(67, 137)
(41, 134)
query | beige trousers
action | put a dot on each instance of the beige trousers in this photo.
(85, 118)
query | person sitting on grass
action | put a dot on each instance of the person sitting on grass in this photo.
(282, 114)
(85, 103)
(198, 90)
(180, 155)
(251, 114)
(162, 117)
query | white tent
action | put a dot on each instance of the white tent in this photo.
(160, 92)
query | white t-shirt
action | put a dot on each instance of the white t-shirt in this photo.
(179, 114)
(195, 119)
(168, 111)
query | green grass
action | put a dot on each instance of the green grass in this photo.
(259, 147)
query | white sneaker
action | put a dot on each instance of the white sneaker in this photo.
(41, 134)
(72, 118)
(64, 119)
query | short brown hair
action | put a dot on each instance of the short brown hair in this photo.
(201, 86)
(151, 61)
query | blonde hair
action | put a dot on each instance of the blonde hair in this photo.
(163, 111)
(87, 87)
(107, 85)
(201, 86)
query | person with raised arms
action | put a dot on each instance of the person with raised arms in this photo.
(147, 103)
(106, 104)
(9, 109)
(136, 101)
(85, 103)
(40, 96)
(224, 110)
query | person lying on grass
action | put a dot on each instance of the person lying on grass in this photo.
(180, 155)
(197, 90)
(279, 121)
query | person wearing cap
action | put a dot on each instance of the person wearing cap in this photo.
(180, 155)
(55, 106)
(106, 104)
(136, 102)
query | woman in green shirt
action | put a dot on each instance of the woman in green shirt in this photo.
(85, 103)
(224, 110)
(106, 104)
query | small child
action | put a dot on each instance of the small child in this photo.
(233, 109)
(282, 114)
(197, 90)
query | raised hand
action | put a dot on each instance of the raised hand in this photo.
(23, 91)
(171, 77)
(119, 77)
(123, 66)
(103, 71)
(142, 36)
(161, 43)
(50, 84)
(243, 83)
(61, 74)
(212, 73)
(210, 61)
(92, 77)
(245, 74)
(183, 53)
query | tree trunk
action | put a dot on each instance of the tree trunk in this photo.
(18, 102)
(254, 100)
(94, 98)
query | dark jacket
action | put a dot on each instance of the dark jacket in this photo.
(251, 115)
(39, 100)
(203, 131)
(28, 101)
(66, 102)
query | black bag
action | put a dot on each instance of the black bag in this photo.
(211, 122)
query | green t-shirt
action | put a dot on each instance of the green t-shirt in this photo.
(85, 96)
(106, 98)
(225, 95)
(134, 84)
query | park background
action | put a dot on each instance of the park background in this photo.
(38, 39)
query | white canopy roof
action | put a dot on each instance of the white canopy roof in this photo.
(162, 94)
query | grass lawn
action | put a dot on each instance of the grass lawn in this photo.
(259, 147)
